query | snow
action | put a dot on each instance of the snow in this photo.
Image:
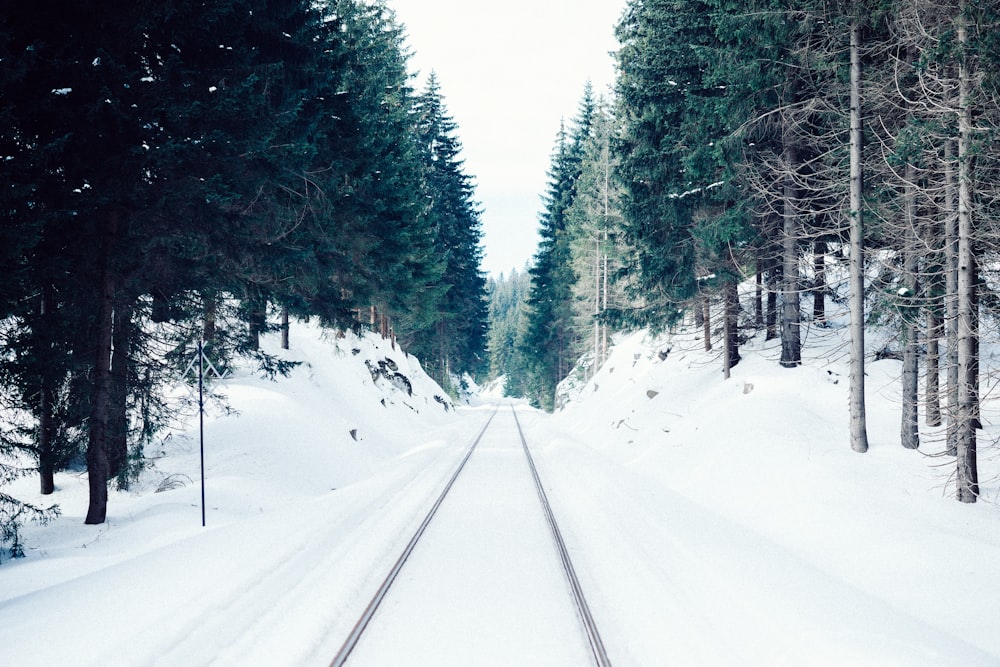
(710, 521)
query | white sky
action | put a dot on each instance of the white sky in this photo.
(509, 71)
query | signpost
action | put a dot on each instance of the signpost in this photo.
(204, 369)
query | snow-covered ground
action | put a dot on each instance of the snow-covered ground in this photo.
(710, 522)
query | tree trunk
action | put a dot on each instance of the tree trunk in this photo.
(731, 353)
(597, 303)
(706, 322)
(909, 426)
(858, 419)
(932, 384)
(819, 281)
(791, 345)
(284, 327)
(967, 468)
(46, 420)
(121, 339)
(773, 281)
(758, 297)
(208, 329)
(604, 307)
(98, 469)
(258, 320)
(951, 294)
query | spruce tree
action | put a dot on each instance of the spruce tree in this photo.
(551, 343)
(455, 340)
(507, 319)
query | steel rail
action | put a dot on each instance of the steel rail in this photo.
(593, 636)
(366, 617)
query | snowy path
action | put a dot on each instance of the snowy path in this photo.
(484, 586)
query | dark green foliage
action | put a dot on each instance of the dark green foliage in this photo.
(658, 72)
(548, 343)
(508, 297)
(163, 162)
(454, 341)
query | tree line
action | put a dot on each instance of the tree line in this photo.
(189, 171)
(777, 143)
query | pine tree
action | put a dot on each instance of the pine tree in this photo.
(507, 307)
(455, 341)
(592, 221)
(657, 67)
(550, 342)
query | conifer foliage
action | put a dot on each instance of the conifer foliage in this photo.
(179, 171)
(549, 341)
(455, 338)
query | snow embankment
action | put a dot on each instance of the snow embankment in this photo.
(313, 482)
(766, 539)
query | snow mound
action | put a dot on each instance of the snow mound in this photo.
(768, 451)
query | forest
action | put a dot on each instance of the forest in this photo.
(187, 173)
(766, 156)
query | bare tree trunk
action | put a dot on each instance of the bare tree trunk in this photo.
(967, 468)
(284, 327)
(909, 426)
(706, 319)
(859, 423)
(256, 316)
(773, 280)
(97, 446)
(597, 301)
(758, 297)
(731, 353)
(819, 281)
(932, 383)
(951, 294)
(604, 307)
(210, 306)
(121, 339)
(791, 344)
(46, 420)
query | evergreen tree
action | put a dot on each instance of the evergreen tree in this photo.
(455, 341)
(550, 342)
(592, 222)
(159, 159)
(657, 67)
(507, 307)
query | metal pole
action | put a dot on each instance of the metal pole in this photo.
(201, 424)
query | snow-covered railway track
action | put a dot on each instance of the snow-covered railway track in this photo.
(590, 627)
(366, 617)
(484, 587)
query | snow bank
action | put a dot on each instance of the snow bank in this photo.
(774, 542)
(298, 477)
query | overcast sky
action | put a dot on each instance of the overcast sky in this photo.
(509, 71)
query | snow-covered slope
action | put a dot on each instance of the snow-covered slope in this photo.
(311, 457)
(767, 453)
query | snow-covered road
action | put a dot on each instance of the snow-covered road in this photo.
(485, 584)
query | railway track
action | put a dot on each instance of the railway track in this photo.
(595, 648)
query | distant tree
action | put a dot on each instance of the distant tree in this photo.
(507, 308)
(550, 342)
(455, 340)
(592, 224)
